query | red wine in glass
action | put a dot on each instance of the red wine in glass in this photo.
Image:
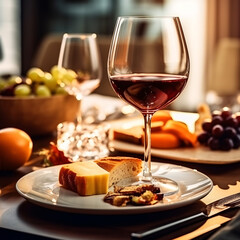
(148, 92)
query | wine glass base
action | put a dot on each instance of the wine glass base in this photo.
(167, 186)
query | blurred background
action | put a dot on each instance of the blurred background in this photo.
(31, 32)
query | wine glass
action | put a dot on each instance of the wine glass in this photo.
(79, 65)
(148, 67)
(1, 50)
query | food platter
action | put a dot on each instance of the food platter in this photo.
(199, 154)
(41, 187)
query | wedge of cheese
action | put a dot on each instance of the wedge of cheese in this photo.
(85, 178)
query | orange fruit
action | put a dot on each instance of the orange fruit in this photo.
(161, 116)
(15, 148)
(180, 129)
(165, 140)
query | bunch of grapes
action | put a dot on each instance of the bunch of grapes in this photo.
(222, 132)
(37, 83)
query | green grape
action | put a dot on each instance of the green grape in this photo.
(50, 81)
(61, 91)
(13, 80)
(43, 91)
(68, 77)
(22, 90)
(72, 74)
(35, 74)
(58, 73)
(3, 84)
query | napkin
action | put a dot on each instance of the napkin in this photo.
(230, 231)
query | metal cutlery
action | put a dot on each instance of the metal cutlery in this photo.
(209, 226)
(211, 210)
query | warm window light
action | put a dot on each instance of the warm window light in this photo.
(238, 98)
(213, 98)
(193, 18)
(10, 37)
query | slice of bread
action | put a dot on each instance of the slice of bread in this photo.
(120, 167)
(135, 134)
(132, 135)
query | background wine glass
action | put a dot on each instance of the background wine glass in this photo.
(148, 67)
(79, 65)
(1, 50)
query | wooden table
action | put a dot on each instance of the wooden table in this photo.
(20, 219)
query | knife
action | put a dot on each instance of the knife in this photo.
(210, 225)
(211, 210)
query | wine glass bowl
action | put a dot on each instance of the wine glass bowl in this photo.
(79, 64)
(148, 67)
(148, 50)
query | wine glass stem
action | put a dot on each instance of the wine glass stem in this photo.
(147, 174)
(79, 113)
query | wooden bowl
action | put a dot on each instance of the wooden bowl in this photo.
(37, 115)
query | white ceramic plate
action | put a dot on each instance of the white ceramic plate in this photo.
(42, 188)
(199, 154)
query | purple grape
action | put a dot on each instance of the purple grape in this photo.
(217, 120)
(217, 131)
(238, 129)
(213, 143)
(236, 141)
(227, 144)
(231, 122)
(207, 126)
(226, 112)
(230, 132)
(203, 137)
(237, 116)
